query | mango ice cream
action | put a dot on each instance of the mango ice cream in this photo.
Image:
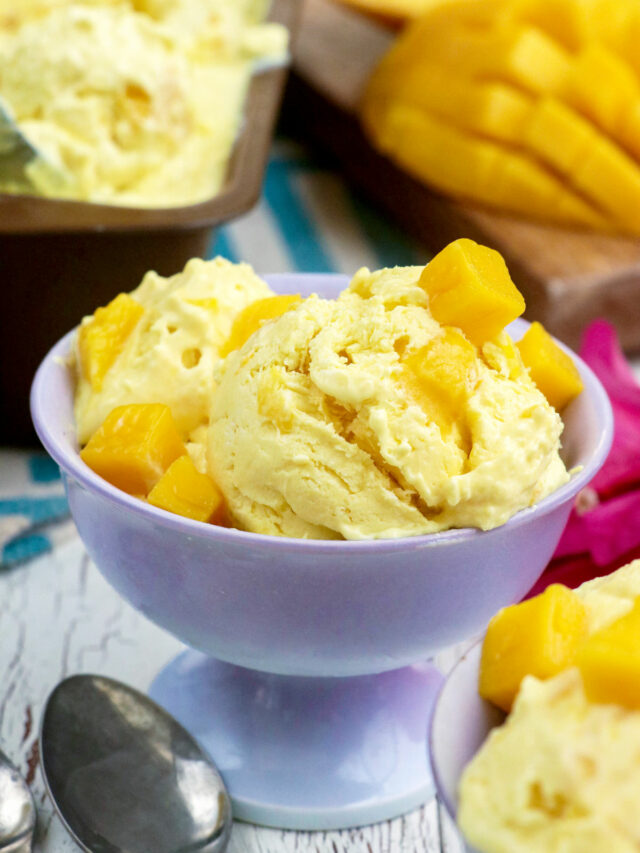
(131, 102)
(562, 774)
(399, 408)
(364, 417)
(168, 355)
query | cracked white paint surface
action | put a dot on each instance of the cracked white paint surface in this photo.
(58, 617)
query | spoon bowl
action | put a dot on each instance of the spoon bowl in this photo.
(125, 776)
(17, 810)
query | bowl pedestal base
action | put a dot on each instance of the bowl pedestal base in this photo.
(308, 753)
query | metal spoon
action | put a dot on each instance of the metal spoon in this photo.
(17, 153)
(125, 776)
(17, 810)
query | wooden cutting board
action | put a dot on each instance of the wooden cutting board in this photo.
(568, 277)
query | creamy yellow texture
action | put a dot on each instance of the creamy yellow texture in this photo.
(135, 103)
(314, 434)
(561, 775)
(170, 355)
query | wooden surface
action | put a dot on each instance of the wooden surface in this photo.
(59, 617)
(568, 276)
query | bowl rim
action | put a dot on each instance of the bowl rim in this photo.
(470, 657)
(70, 462)
(30, 214)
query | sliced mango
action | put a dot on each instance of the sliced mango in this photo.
(491, 109)
(469, 286)
(528, 105)
(467, 166)
(551, 368)
(601, 86)
(541, 637)
(254, 315)
(101, 339)
(183, 490)
(565, 21)
(609, 662)
(591, 162)
(134, 446)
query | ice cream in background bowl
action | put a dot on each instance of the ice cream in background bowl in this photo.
(131, 103)
(559, 773)
(274, 620)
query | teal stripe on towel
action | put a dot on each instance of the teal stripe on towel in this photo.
(303, 241)
(25, 549)
(223, 245)
(37, 510)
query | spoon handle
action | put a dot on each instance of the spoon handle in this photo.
(18, 845)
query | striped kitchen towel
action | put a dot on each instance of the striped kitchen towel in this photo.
(34, 515)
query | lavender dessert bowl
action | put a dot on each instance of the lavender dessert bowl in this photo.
(305, 679)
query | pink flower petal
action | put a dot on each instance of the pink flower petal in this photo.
(605, 523)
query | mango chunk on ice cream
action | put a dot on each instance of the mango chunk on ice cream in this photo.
(561, 774)
(102, 338)
(183, 490)
(440, 375)
(541, 637)
(553, 84)
(168, 354)
(609, 662)
(253, 316)
(551, 369)
(134, 447)
(469, 286)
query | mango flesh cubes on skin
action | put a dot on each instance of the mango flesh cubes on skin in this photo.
(102, 338)
(609, 662)
(469, 287)
(134, 447)
(183, 490)
(541, 637)
(463, 165)
(551, 369)
(254, 315)
(532, 106)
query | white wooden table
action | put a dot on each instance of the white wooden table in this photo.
(58, 616)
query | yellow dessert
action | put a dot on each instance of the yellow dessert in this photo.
(365, 417)
(159, 344)
(401, 407)
(561, 775)
(528, 105)
(132, 102)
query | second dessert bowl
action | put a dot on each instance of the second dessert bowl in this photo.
(308, 678)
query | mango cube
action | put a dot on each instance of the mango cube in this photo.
(183, 490)
(551, 369)
(609, 662)
(254, 315)
(134, 446)
(469, 287)
(439, 373)
(101, 339)
(541, 637)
